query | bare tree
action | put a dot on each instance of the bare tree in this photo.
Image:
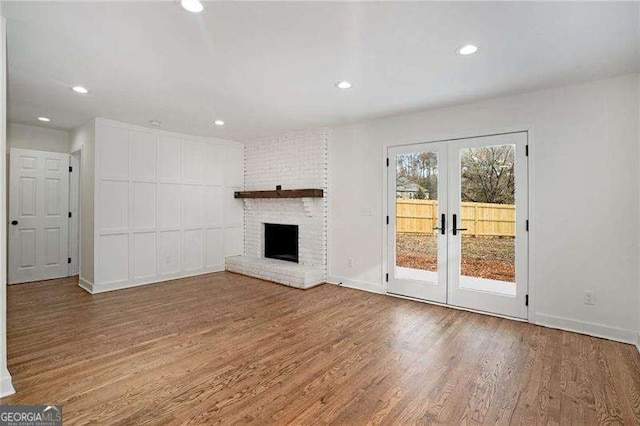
(488, 174)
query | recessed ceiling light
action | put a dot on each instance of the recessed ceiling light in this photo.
(343, 85)
(194, 6)
(80, 89)
(468, 49)
(219, 123)
(155, 122)
(45, 119)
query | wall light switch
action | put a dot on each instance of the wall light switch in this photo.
(350, 262)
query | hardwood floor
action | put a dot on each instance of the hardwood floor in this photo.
(228, 348)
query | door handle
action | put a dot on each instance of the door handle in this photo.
(455, 228)
(14, 222)
(442, 228)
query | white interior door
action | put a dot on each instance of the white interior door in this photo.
(38, 215)
(417, 221)
(457, 229)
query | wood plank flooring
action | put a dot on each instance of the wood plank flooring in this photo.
(231, 349)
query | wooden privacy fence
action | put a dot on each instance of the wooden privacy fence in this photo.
(480, 219)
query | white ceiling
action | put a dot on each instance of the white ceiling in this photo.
(268, 67)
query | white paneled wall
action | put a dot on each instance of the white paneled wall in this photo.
(164, 205)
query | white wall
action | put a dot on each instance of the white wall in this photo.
(163, 205)
(38, 138)
(83, 139)
(6, 387)
(585, 193)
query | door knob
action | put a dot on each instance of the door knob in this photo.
(455, 228)
(14, 222)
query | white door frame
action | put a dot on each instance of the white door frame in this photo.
(75, 203)
(445, 137)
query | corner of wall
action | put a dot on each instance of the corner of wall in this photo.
(83, 138)
(6, 387)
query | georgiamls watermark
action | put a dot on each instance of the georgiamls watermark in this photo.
(30, 415)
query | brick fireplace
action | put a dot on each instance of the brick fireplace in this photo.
(294, 160)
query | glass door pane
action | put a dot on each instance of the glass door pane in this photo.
(488, 212)
(417, 245)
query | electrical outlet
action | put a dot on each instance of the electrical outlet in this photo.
(589, 297)
(167, 259)
(350, 262)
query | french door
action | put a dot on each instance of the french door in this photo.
(458, 223)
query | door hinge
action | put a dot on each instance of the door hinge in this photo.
(526, 300)
(527, 225)
(526, 150)
(387, 277)
(69, 214)
(70, 169)
(68, 260)
(387, 162)
(387, 220)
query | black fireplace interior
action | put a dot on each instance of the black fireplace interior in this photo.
(281, 242)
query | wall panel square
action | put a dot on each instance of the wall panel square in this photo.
(169, 249)
(113, 152)
(214, 247)
(113, 205)
(213, 205)
(113, 259)
(169, 159)
(192, 161)
(213, 168)
(143, 155)
(192, 210)
(144, 205)
(192, 249)
(233, 208)
(169, 202)
(234, 166)
(233, 241)
(144, 255)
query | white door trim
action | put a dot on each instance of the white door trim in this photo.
(75, 178)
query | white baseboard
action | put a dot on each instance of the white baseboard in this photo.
(6, 385)
(588, 328)
(358, 285)
(103, 288)
(85, 285)
(551, 321)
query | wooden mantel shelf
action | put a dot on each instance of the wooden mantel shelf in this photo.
(282, 193)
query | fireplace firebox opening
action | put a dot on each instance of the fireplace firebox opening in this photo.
(281, 242)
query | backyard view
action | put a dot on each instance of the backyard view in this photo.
(487, 211)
